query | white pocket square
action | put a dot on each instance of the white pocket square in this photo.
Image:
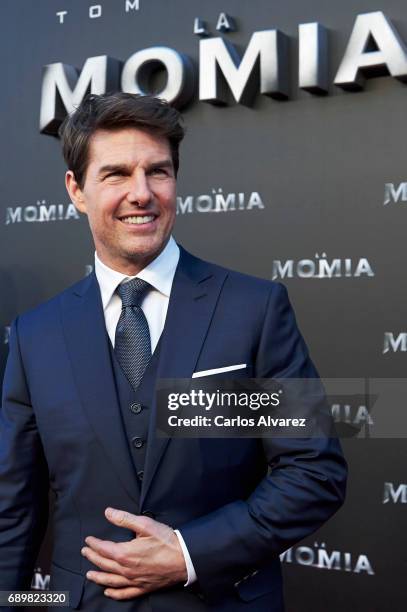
(239, 366)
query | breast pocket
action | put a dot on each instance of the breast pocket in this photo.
(237, 371)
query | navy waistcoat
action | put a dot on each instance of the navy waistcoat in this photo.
(135, 407)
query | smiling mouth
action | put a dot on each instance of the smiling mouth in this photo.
(138, 220)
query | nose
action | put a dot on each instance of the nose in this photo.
(139, 190)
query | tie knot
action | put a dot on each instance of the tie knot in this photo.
(133, 291)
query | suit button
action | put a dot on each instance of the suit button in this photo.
(136, 408)
(137, 442)
(140, 474)
(148, 513)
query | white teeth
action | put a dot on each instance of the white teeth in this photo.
(138, 220)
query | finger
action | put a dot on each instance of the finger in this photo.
(142, 525)
(105, 548)
(108, 565)
(125, 593)
(107, 579)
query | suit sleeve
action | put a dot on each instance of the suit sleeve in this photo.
(23, 477)
(305, 487)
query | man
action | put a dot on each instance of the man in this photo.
(142, 523)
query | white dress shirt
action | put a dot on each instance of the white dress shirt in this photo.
(160, 274)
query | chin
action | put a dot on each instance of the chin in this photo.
(147, 252)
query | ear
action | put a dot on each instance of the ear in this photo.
(75, 192)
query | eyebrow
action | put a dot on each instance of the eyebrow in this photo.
(164, 163)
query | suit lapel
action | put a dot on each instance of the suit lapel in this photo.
(195, 291)
(86, 339)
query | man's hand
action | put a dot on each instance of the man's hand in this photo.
(150, 561)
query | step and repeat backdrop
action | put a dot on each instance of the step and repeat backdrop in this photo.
(294, 168)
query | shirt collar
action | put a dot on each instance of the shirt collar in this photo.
(159, 273)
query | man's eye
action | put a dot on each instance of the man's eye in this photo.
(116, 173)
(159, 171)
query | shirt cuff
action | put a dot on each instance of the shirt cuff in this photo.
(192, 577)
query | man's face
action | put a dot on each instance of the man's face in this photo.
(129, 196)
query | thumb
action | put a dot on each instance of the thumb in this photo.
(141, 525)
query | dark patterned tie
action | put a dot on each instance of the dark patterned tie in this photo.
(132, 339)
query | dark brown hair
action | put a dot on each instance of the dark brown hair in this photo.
(116, 111)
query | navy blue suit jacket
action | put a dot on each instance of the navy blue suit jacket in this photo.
(60, 428)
